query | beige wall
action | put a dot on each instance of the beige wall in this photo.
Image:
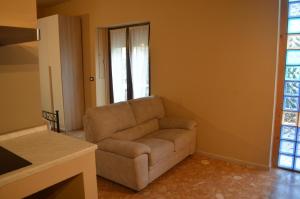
(19, 78)
(213, 61)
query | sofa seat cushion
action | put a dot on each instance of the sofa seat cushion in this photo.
(180, 137)
(160, 149)
(123, 147)
(137, 131)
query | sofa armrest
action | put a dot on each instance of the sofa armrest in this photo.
(125, 148)
(176, 123)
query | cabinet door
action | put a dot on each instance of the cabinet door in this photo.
(44, 69)
(50, 67)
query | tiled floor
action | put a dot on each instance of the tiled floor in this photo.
(201, 177)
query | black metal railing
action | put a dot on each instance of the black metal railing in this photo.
(53, 118)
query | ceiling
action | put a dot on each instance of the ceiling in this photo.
(45, 3)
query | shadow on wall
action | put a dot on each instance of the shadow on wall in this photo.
(209, 135)
(19, 86)
(174, 109)
(18, 58)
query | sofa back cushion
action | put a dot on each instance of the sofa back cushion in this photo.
(138, 131)
(147, 108)
(103, 122)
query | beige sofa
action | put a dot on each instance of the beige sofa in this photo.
(136, 142)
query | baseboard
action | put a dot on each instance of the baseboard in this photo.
(233, 160)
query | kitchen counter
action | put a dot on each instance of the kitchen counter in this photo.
(55, 158)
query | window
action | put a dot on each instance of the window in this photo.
(289, 147)
(129, 62)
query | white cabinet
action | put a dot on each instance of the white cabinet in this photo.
(61, 72)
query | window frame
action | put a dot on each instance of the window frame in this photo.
(128, 64)
(280, 83)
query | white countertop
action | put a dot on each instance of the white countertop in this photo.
(43, 149)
